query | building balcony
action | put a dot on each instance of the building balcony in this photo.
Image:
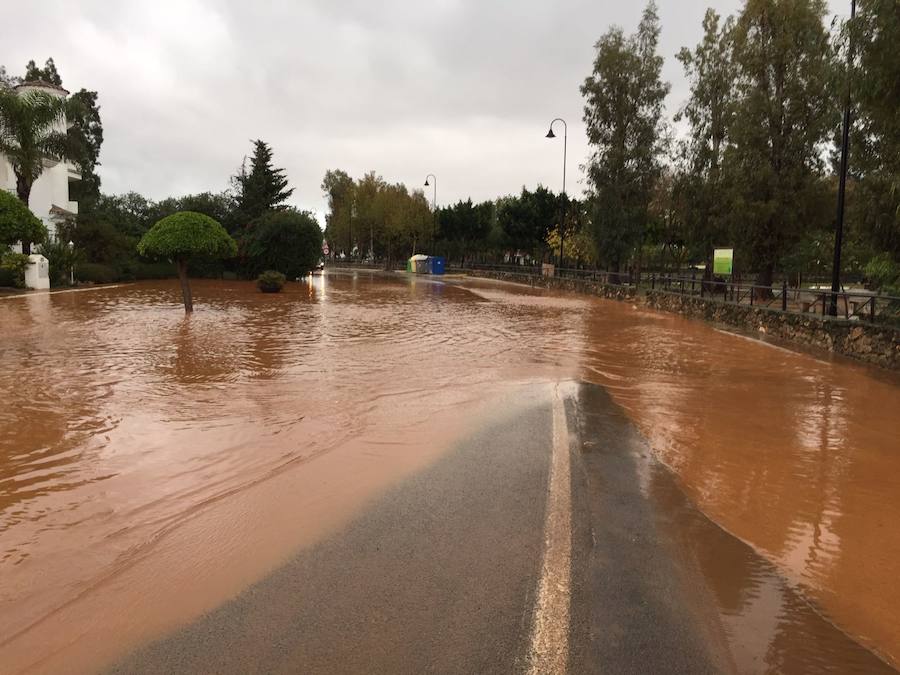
(72, 172)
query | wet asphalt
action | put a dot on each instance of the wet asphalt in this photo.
(439, 575)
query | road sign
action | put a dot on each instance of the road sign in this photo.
(723, 261)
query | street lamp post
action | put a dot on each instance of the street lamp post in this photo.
(433, 207)
(72, 266)
(562, 224)
(842, 185)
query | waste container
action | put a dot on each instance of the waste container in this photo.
(438, 264)
(418, 264)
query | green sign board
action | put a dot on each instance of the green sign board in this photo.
(723, 261)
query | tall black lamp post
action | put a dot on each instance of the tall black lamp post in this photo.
(433, 207)
(842, 185)
(562, 224)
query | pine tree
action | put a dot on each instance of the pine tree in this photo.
(263, 188)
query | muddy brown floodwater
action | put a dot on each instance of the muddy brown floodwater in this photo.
(141, 450)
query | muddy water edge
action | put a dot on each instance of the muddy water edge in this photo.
(140, 447)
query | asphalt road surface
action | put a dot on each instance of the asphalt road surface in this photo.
(443, 574)
(456, 571)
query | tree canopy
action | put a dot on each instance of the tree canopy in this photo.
(185, 235)
(624, 96)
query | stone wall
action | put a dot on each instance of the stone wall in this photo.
(878, 345)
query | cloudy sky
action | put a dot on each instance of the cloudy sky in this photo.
(463, 89)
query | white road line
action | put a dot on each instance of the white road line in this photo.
(550, 630)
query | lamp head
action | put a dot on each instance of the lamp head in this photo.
(427, 183)
(550, 133)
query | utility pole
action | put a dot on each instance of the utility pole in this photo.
(842, 185)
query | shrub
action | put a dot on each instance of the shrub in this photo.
(15, 264)
(95, 273)
(7, 277)
(288, 240)
(883, 274)
(17, 222)
(61, 258)
(271, 281)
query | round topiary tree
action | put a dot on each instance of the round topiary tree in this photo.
(17, 222)
(183, 236)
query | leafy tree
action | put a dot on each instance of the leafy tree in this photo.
(465, 225)
(711, 70)
(30, 133)
(131, 213)
(17, 222)
(372, 202)
(102, 242)
(85, 138)
(288, 241)
(339, 188)
(47, 74)
(568, 237)
(218, 206)
(624, 98)
(184, 236)
(875, 141)
(263, 188)
(782, 118)
(528, 219)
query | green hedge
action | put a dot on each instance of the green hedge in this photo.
(149, 270)
(96, 273)
(7, 278)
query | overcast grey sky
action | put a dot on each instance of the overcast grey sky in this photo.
(463, 89)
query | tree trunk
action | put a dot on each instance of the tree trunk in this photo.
(766, 274)
(23, 191)
(185, 285)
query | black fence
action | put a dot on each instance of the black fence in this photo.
(855, 305)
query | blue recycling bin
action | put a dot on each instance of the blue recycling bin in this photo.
(437, 264)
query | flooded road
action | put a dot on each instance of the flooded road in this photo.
(139, 446)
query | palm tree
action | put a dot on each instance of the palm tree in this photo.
(30, 134)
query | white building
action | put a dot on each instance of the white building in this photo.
(49, 199)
